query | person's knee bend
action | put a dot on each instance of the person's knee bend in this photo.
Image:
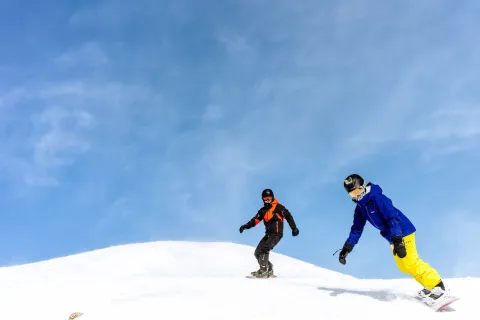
(265, 250)
(410, 262)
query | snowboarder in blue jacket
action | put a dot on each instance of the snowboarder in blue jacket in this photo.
(376, 208)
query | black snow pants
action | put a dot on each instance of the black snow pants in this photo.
(266, 244)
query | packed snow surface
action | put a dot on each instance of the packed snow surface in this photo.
(206, 281)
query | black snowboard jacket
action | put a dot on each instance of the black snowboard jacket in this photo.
(273, 215)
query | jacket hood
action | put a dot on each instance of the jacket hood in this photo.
(372, 190)
(375, 189)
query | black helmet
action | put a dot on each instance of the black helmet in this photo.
(353, 182)
(267, 193)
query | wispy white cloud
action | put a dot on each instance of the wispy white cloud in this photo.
(69, 119)
(11, 98)
(89, 54)
(58, 136)
(449, 124)
(236, 45)
(446, 132)
(43, 141)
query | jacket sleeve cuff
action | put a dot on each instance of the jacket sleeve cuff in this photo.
(397, 239)
(348, 246)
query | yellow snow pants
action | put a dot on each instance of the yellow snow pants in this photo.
(411, 264)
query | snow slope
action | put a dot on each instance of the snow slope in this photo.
(190, 280)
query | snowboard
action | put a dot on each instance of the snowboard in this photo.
(253, 277)
(443, 306)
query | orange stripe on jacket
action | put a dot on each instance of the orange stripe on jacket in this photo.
(269, 214)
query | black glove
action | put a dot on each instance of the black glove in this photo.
(245, 226)
(347, 248)
(295, 232)
(399, 247)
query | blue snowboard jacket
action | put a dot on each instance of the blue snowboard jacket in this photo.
(378, 209)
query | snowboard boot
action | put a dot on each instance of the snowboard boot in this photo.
(263, 272)
(270, 269)
(260, 273)
(422, 294)
(437, 295)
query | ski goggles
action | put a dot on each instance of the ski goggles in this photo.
(267, 199)
(355, 193)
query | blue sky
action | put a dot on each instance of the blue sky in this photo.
(164, 120)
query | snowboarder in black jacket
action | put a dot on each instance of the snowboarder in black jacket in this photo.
(272, 213)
